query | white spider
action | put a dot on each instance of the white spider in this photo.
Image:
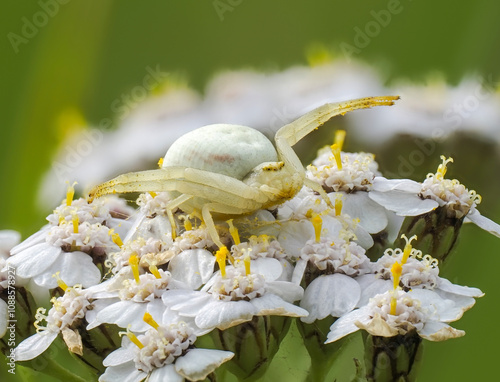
(231, 170)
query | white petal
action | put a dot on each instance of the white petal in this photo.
(383, 185)
(330, 295)
(286, 290)
(187, 303)
(224, 315)
(270, 268)
(193, 266)
(371, 215)
(74, 267)
(119, 356)
(35, 345)
(439, 308)
(272, 305)
(439, 331)
(198, 363)
(484, 223)
(298, 271)
(346, 324)
(123, 373)
(165, 373)
(34, 260)
(402, 203)
(371, 286)
(447, 286)
(124, 313)
(36, 238)
(294, 235)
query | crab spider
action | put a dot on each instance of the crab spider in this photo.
(228, 170)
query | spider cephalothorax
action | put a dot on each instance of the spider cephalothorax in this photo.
(233, 170)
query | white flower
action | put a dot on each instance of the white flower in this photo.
(330, 265)
(409, 198)
(128, 299)
(65, 314)
(418, 310)
(418, 272)
(74, 240)
(234, 298)
(164, 353)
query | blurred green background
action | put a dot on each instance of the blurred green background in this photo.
(89, 52)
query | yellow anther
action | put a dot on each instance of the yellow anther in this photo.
(234, 232)
(408, 248)
(134, 264)
(61, 219)
(132, 337)
(336, 154)
(160, 162)
(265, 239)
(338, 204)
(70, 193)
(115, 237)
(396, 271)
(339, 138)
(76, 221)
(220, 257)
(148, 319)
(246, 260)
(153, 194)
(154, 270)
(187, 225)
(317, 223)
(393, 305)
(441, 171)
(60, 283)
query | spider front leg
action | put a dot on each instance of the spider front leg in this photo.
(290, 134)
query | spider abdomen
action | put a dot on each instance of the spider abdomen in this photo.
(231, 150)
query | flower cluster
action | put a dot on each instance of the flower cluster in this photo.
(310, 258)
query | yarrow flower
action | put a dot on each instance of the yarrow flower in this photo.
(163, 353)
(409, 198)
(66, 313)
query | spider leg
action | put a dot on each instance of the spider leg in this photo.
(290, 134)
(207, 211)
(172, 205)
(317, 187)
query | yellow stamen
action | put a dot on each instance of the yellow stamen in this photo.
(75, 221)
(154, 270)
(220, 257)
(396, 271)
(339, 138)
(408, 248)
(115, 237)
(393, 305)
(246, 260)
(338, 204)
(134, 264)
(234, 232)
(132, 337)
(160, 162)
(70, 193)
(317, 223)
(188, 226)
(148, 319)
(441, 171)
(336, 153)
(153, 194)
(60, 283)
